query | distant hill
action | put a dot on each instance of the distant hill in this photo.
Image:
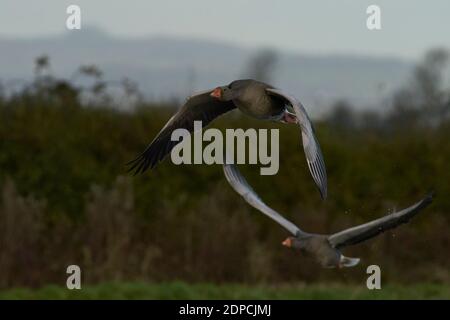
(168, 67)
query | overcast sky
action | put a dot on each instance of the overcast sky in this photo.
(326, 27)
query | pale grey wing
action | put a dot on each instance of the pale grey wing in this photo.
(241, 186)
(373, 228)
(311, 146)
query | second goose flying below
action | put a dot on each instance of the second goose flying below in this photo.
(325, 248)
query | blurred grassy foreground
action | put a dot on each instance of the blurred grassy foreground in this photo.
(182, 290)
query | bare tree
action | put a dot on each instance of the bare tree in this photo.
(261, 65)
(429, 82)
(342, 116)
(426, 99)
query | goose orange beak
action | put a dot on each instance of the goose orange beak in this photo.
(287, 243)
(217, 93)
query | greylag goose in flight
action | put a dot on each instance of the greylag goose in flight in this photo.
(254, 98)
(325, 248)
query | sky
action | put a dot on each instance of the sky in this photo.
(408, 28)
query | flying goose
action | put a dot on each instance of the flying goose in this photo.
(325, 248)
(254, 98)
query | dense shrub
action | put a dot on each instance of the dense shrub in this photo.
(67, 199)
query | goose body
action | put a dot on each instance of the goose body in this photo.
(319, 248)
(254, 101)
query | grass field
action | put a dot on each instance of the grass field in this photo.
(181, 290)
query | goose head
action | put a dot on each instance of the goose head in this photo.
(223, 93)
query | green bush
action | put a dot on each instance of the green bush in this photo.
(66, 198)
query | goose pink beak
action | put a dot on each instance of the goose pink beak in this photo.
(217, 93)
(287, 243)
